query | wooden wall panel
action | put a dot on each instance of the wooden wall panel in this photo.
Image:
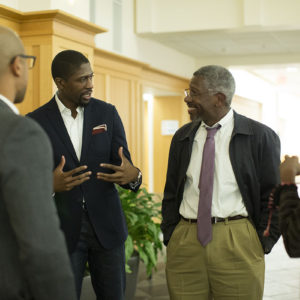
(165, 108)
(145, 164)
(99, 85)
(120, 96)
(39, 89)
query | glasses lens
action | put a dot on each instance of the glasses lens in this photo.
(30, 62)
(187, 92)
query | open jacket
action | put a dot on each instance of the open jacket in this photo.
(101, 197)
(254, 151)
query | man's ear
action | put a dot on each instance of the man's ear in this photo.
(60, 83)
(17, 66)
(221, 99)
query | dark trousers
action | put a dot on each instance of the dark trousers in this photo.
(107, 266)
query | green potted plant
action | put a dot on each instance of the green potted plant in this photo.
(143, 216)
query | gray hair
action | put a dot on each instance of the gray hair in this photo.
(217, 80)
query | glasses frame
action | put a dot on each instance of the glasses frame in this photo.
(187, 93)
(32, 57)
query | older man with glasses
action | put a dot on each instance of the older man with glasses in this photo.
(222, 167)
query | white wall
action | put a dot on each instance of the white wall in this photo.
(34, 5)
(10, 3)
(79, 8)
(104, 18)
(280, 108)
(156, 16)
(288, 112)
(157, 55)
(142, 49)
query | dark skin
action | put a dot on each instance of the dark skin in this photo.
(73, 92)
(65, 181)
(289, 169)
(124, 173)
(210, 108)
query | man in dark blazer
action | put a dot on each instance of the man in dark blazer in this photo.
(229, 261)
(87, 135)
(34, 263)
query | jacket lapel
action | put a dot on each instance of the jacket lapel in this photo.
(87, 130)
(57, 122)
(242, 125)
(187, 146)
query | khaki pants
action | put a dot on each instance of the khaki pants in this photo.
(230, 267)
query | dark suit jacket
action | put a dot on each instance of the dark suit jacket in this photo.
(101, 197)
(255, 157)
(34, 263)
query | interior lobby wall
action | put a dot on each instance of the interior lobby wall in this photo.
(118, 80)
(166, 108)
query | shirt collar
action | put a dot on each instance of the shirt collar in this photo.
(223, 121)
(63, 109)
(10, 104)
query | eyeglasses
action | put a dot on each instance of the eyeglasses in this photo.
(188, 93)
(30, 59)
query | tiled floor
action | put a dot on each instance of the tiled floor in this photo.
(282, 281)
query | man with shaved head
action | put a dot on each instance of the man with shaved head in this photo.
(33, 258)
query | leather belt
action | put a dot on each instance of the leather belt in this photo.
(216, 219)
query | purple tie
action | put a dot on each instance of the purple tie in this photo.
(206, 183)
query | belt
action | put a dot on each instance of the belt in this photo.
(216, 219)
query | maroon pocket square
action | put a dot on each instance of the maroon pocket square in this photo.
(99, 129)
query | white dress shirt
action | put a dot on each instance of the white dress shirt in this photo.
(10, 104)
(73, 126)
(226, 200)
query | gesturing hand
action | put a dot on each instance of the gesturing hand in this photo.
(65, 181)
(124, 173)
(289, 169)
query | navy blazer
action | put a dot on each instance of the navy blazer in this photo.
(254, 152)
(102, 199)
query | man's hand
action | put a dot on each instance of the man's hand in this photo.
(289, 169)
(65, 181)
(124, 173)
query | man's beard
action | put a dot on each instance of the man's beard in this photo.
(81, 104)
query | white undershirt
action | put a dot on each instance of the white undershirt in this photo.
(10, 104)
(227, 199)
(73, 126)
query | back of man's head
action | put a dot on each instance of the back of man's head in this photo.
(11, 46)
(66, 63)
(13, 67)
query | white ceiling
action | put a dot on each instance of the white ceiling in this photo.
(209, 43)
(243, 43)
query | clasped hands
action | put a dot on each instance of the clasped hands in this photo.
(289, 169)
(65, 181)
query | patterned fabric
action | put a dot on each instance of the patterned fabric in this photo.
(206, 182)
